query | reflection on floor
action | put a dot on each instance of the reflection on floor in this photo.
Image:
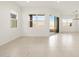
(55, 45)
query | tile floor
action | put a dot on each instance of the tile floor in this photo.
(58, 45)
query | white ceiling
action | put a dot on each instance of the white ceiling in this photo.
(67, 7)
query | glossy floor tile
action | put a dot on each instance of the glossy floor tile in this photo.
(58, 45)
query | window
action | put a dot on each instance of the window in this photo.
(13, 20)
(37, 21)
(53, 23)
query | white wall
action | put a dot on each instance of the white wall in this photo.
(27, 31)
(67, 28)
(75, 26)
(6, 32)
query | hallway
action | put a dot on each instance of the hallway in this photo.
(57, 45)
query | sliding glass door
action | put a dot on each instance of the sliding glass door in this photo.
(54, 24)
